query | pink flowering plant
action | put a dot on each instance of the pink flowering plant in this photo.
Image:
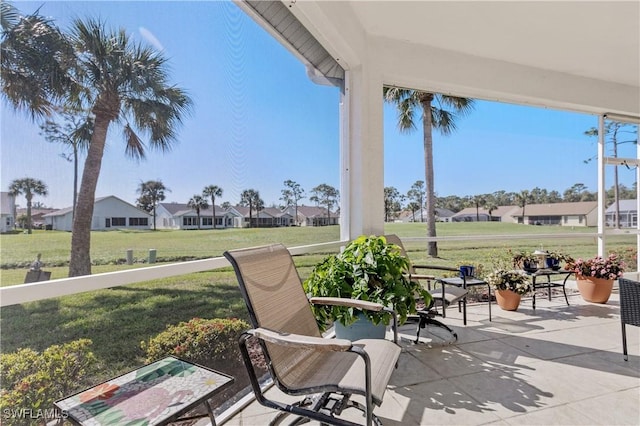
(609, 268)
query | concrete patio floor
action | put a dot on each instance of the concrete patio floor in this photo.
(557, 365)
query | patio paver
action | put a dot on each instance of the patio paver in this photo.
(557, 365)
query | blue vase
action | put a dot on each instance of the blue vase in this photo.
(363, 328)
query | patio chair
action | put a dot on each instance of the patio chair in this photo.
(300, 361)
(629, 308)
(442, 296)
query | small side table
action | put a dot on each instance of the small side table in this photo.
(548, 283)
(465, 283)
(156, 394)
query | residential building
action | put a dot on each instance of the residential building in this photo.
(583, 213)
(181, 216)
(7, 212)
(109, 213)
(470, 214)
(628, 214)
(313, 216)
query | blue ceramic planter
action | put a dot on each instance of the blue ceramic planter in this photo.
(363, 328)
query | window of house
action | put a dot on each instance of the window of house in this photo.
(207, 221)
(190, 221)
(118, 221)
(138, 221)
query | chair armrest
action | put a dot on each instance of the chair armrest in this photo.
(339, 301)
(436, 267)
(301, 341)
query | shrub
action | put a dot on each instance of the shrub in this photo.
(208, 342)
(33, 381)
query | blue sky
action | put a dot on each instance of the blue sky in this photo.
(258, 121)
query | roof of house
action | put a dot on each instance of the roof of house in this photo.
(499, 211)
(313, 211)
(557, 209)
(625, 206)
(180, 209)
(62, 212)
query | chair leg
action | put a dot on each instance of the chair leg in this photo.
(624, 343)
(425, 319)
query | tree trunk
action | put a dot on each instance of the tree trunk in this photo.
(75, 180)
(213, 206)
(29, 197)
(432, 246)
(80, 260)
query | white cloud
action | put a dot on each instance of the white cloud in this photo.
(148, 35)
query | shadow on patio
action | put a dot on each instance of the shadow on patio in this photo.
(556, 365)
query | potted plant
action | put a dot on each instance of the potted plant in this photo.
(595, 276)
(367, 269)
(525, 260)
(509, 286)
(555, 257)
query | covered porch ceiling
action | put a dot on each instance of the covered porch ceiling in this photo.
(575, 55)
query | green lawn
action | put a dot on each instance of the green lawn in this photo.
(118, 319)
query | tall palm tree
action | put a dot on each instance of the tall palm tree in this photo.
(97, 70)
(439, 112)
(250, 198)
(28, 187)
(522, 198)
(213, 191)
(478, 200)
(198, 203)
(151, 193)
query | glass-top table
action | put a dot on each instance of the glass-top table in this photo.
(548, 283)
(156, 394)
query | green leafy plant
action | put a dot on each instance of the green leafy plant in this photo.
(368, 269)
(33, 380)
(524, 260)
(203, 341)
(515, 281)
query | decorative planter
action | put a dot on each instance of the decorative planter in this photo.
(594, 290)
(363, 328)
(508, 300)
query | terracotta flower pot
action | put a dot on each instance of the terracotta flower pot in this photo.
(508, 300)
(595, 290)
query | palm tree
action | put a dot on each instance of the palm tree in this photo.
(212, 191)
(28, 187)
(435, 114)
(478, 200)
(197, 203)
(151, 193)
(250, 198)
(522, 198)
(97, 70)
(490, 207)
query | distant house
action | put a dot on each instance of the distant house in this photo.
(108, 213)
(564, 214)
(442, 215)
(313, 216)
(470, 214)
(7, 211)
(37, 216)
(181, 216)
(628, 214)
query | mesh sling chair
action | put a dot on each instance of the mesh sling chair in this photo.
(300, 360)
(629, 308)
(443, 296)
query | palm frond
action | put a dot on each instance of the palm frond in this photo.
(134, 147)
